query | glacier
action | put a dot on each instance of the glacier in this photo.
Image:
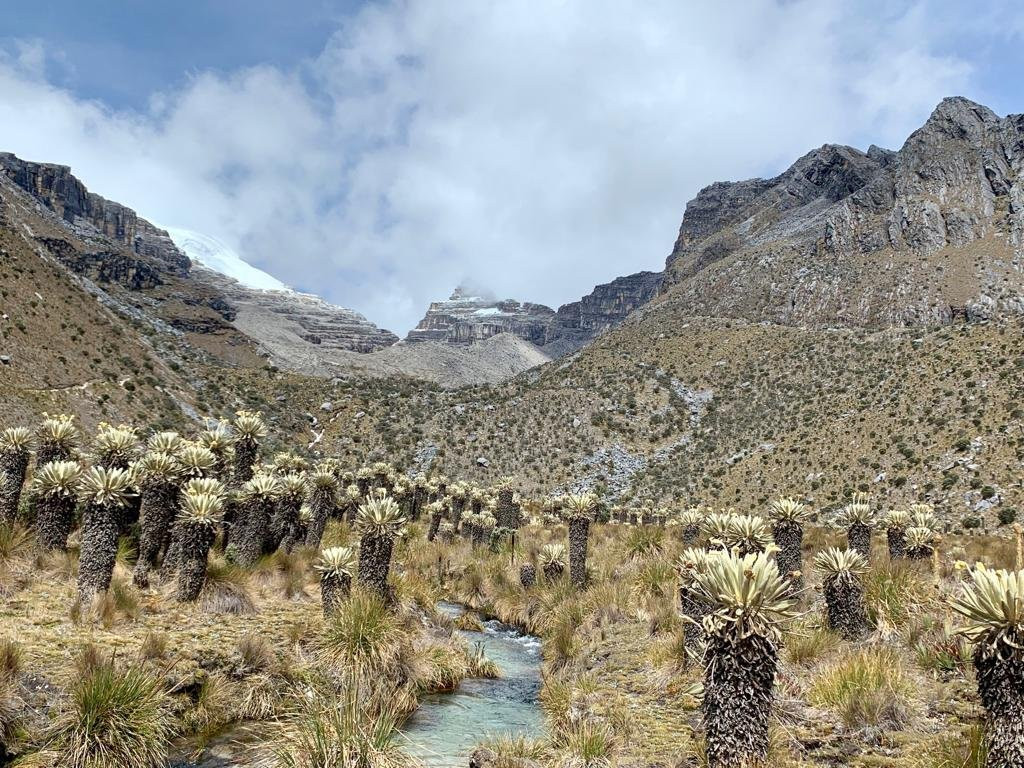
(216, 255)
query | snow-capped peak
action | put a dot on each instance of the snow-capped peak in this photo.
(212, 253)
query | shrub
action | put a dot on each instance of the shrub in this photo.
(340, 730)
(866, 688)
(116, 718)
(363, 634)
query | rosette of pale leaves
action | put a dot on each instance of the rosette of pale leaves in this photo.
(289, 463)
(897, 518)
(337, 561)
(293, 487)
(106, 487)
(691, 561)
(919, 537)
(380, 516)
(14, 440)
(579, 506)
(691, 516)
(322, 479)
(217, 438)
(842, 564)
(352, 492)
(749, 532)
(113, 444)
(857, 512)
(747, 596)
(717, 527)
(58, 478)
(58, 430)
(993, 609)
(205, 485)
(249, 425)
(157, 467)
(923, 516)
(196, 460)
(202, 508)
(552, 553)
(262, 486)
(786, 509)
(164, 442)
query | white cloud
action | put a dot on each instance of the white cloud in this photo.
(537, 149)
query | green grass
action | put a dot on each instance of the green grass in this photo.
(868, 687)
(364, 634)
(116, 717)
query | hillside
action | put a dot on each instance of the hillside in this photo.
(931, 233)
(709, 397)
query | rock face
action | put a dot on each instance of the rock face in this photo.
(301, 317)
(464, 319)
(111, 245)
(927, 234)
(90, 215)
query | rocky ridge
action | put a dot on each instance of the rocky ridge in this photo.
(117, 248)
(927, 234)
(464, 318)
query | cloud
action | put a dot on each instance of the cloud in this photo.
(535, 149)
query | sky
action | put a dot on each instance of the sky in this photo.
(380, 153)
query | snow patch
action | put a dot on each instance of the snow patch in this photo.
(212, 253)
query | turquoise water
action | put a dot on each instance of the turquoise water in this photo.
(445, 727)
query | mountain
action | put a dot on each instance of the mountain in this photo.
(927, 234)
(853, 324)
(156, 272)
(464, 318)
(215, 255)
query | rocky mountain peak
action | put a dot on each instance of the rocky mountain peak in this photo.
(921, 235)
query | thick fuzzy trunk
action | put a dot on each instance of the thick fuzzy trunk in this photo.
(322, 507)
(13, 467)
(789, 538)
(196, 541)
(579, 531)
(1001, 689)
(844, 606)
(897, 538)
(858, 537)
(159, 506)
(419, 495)
(919, 553)
(250, 531)
(553, 571)
(458, 506)
(507, 512)
(100, 532)
(55, 519)
(435, 522)
(527, 575)
(363, 484)
(48, 452)
(169, 567)
(246, 453)
(375, 563)
(284, 527)
(334, 590)
(479, 535)
(690, 535)
(695, 608)
(738, 683)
